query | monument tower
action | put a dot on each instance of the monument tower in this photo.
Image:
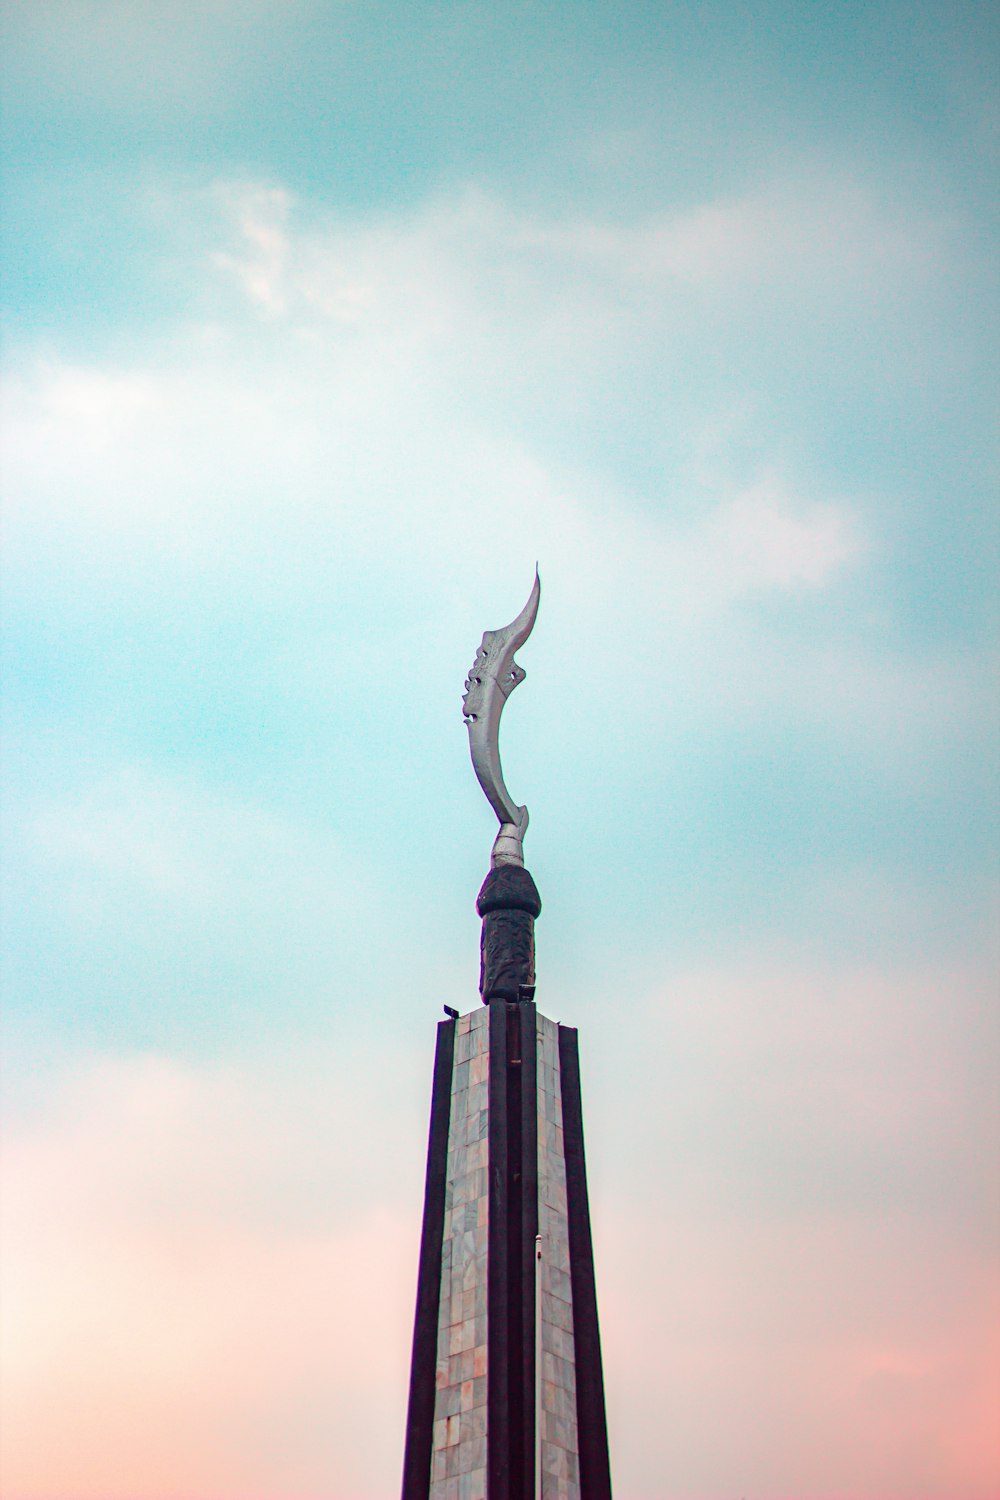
(506, 1389)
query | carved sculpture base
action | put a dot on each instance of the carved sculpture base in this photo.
(508, 904)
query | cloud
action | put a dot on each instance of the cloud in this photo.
(262, 216)
(131, 55)
(788, 235)
(208, 1285)
(827, 1360)
(180, 913)
(176, 842)
(398, 365)
(374, 409)
(370, 413)
(366, 425)
(830, 233)
(271, 535)
(805, 1189)
(208, 1289)
(99, 452)
(769, 541)
(301, 503)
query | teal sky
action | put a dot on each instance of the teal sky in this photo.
(323, 323)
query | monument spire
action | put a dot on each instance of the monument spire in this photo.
(506, 1383)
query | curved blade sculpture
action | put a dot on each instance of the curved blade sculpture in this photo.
(492, 678)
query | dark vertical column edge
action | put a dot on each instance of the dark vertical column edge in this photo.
(423, 1368)
(515, 1232)
(592, 1425)
(497, 1275)
(528, 1020)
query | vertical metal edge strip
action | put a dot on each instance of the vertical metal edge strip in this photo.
(527, 1016)
(592, 1425)
(497, 1286)
(423, 1366)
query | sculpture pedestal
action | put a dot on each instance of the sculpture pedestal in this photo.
(506, 1349)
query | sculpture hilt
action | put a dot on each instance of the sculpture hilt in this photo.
(508, 904)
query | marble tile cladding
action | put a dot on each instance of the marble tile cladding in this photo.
(560, 1471)
(458, 1469)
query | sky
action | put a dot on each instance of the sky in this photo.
(324, 321)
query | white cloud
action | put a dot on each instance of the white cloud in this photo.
(799, 1180)
(178, 908)
(371, 416)
(375, 421)
(207, 1289)
(384, 408)
(177, 841)
(767, 540)
(136, 55)
(800, 1184)
(262, 216)
(828, 238)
